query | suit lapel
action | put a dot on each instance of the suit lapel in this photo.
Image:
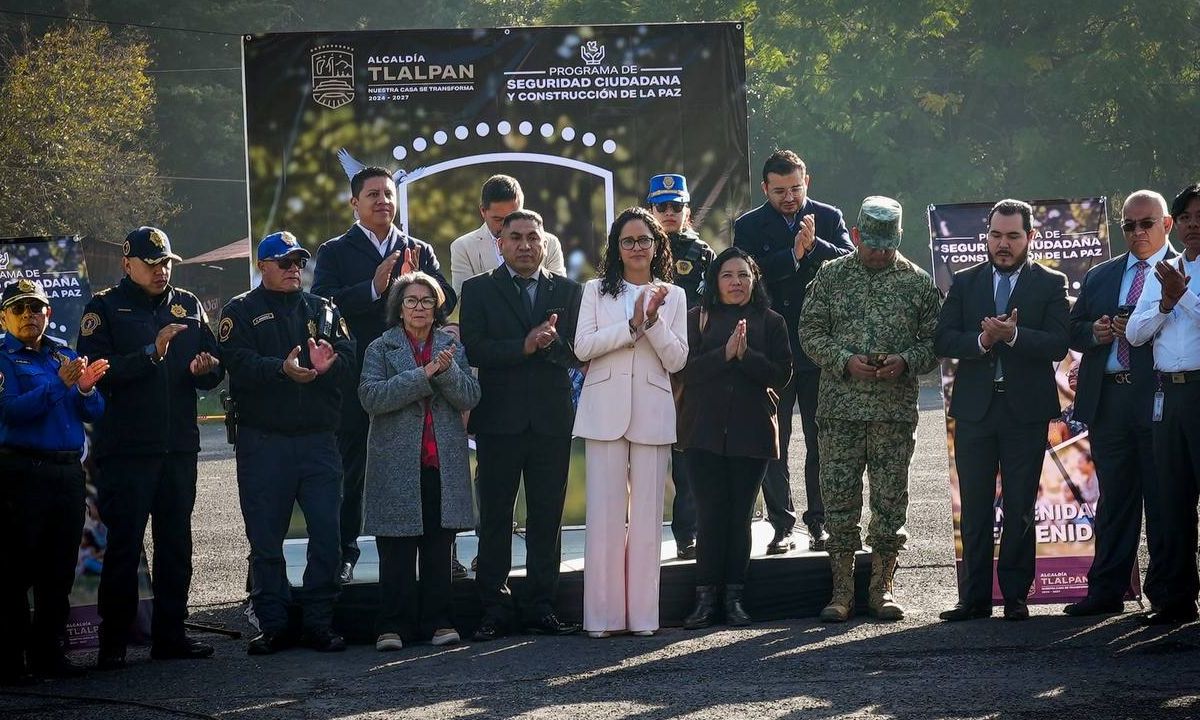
(358, 240)
(508, 290)
(983, 297)
(1111, 291)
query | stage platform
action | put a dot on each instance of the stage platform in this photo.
(793, 585)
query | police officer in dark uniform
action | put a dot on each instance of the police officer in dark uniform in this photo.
(289, 355)
(161, 350)
(668, 198)
(47, 392)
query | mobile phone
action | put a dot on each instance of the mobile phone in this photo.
(1124, 311)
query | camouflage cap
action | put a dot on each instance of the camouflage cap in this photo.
(879, 223)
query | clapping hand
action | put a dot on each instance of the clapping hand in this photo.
(657, 297)
(542, 335)
(440, 362)
(1174, 281)
(322, 355)
(1002, 328)
(735, 346)
(203, 364)
(91, 374)
(412, 261)
(383, 273)
(294, 371)
(70, 372)
(806, 236)
(163, 340)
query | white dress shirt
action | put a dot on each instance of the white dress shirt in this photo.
(1113, 365)
(1176, 335)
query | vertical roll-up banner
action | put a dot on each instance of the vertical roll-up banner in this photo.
(1070, 236)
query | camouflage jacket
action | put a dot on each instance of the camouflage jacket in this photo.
(850, 310)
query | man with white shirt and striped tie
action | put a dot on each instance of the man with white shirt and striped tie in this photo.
(1114, 396)
(1168, 318)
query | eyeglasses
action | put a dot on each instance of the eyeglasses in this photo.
(289, 263)
(644, 242)
(672, 205)
(412, 302)
(1143, 224)
(21, 307)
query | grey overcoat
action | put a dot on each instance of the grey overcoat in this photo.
(393, 390)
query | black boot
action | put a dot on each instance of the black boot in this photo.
(735, 614)
(705, 613)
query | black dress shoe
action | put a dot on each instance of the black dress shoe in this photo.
(1095, 606)
(817, 536)
(781, 543)
(686, 551)
(324, 640)
(185, 648)
(965, 611)
(111, 657)
(269, 643)
(347, 573)
(549, 624)
(490, 629)
(57, 666)
(458, 571)
(1169, 615)
(1016, 610)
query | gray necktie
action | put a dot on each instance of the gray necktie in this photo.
(1003, 292)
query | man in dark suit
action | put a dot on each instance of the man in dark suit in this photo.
(790, 235)
(1114, 396)
(1006, 321)
(518, 323)
(355, 270)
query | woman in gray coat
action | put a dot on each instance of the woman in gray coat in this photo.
(415, 384)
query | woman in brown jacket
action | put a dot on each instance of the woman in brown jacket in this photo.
(738, 359)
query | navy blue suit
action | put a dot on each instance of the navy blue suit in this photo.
(1122, 440)
(344, 273)
(765, 234)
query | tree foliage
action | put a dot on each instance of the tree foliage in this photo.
(75, 137)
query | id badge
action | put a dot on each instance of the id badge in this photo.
(1158, 406)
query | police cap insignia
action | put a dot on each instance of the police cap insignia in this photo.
(226, 329)
(158, 238)
(26, 286)
(178, 311)
(668, 182)
(88, 324)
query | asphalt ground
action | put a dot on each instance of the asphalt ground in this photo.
(1052, 666)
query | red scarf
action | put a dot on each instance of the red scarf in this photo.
(423, 356)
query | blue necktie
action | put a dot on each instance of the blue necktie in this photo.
(1003, 292)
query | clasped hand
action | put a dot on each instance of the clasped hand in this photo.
(1002, 328)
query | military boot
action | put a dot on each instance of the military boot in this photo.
(705, 612)
(880, 603)
(841, 605)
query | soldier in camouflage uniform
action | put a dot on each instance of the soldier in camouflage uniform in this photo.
(668, 198)
(868, 322)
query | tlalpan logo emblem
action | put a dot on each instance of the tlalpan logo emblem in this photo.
(592, 52)
(333, 75)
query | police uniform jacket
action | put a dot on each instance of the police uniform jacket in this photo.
(764, 234)
(692, 257)
(258, 330)
(37, 411)
(151, 404)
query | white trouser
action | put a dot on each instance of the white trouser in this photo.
(620, 566)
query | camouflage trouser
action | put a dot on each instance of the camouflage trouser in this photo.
(882, 448)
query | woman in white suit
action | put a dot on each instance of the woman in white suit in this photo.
(633, 331)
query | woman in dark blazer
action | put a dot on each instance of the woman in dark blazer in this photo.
(738, 360)
(415, 385)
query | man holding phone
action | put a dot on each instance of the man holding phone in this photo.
(160, 351)
(1114, 397)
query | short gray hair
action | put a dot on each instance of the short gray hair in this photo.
(395, 301)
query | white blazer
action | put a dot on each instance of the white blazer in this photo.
(475, 253)
(627, 391)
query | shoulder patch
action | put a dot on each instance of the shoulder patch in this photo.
(88, 324)
(226, 329)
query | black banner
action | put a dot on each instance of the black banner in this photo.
(581, 116)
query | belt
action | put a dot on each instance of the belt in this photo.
(1178, 378)
(1123, 377)
(58, 457)
(998, 386)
